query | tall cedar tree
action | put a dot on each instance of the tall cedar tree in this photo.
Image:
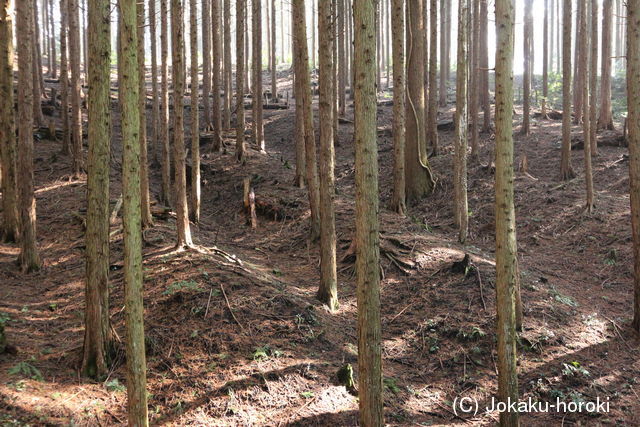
(419, 181)
(474, 76)
(545, 59)
(274, 80)
(256, 63)
(526, 79)
(398, 201)
(506, 247)
(240, 77)
(9, 231)
(180, 170)
(64, 78)
(76, 111)
(442, 101)
(342, 60)
(38, 84)
(605, 119)
(328, 290)
(367, 226)
(164, 103)
(566, 170)
(155, 109)
(206, 60)
(195, 120)
(633, 88)
(301, 164)
(215, 72)
(29, 260)
(132, 216)
(97, 333)
(460, 142)
(578, 82)
(147, 221)
(593, 77)
(432, 114)
(584, 69)
(303, 101)
(226, 118)
(484, 66)
(52, 42)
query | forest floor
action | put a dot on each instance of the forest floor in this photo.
(235, 335)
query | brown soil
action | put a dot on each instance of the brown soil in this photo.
(269, 355)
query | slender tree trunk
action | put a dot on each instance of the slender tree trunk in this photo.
(605, 119)
(578, 82)
(328, 290)
(97, 334)
(84, 31)
(633, 122)
(593, 76)
(177, 48)
(585, 34)
(8, 147)
(52, 42)
(484, 66)
(550, 9)
(506, 247)
(474, 78)
(240, 64)
(38, 85)
(526, 80)
(217, 50)
(64, 78)
(560, 52)
(342, 60)
(419, 181)
(566, 170)
(545, 59)
(447, 32)
(76, 108)
(367, 235)
(155, 112)
(378, 42)
(303, 101)
(195, 123)
(398, 201)
(208, 24)
(432, 114)
(29, 260)
(228, 90)
(443, 47)
(274, 63)
(313, 34)
(45, 33)
(247, 52)
(256, 45)
(460, 143)
(132, 217)
(164, 102)
(147, 221)
(301, 164)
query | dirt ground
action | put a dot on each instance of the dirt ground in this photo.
(236, 337)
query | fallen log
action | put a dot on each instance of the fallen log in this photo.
(606, 139)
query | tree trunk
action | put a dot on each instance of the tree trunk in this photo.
(545, 59)
(52, 42)
(605, 119)
(97, 334)
(195, 124)
(9, 231)
(64, 78)
(313, 34)
(443, 61)
(180, 177)
(155, 112)
(526, 80)
(228, 90)
(303, 101)
(164, 102)
(38, 85)
(29, 259)
(474, 46)
(328, 290)
(274, 64)
(76, 108)
(301, 164)
(132, 218)
(578, 82)
(256, 45)
(208, 24)
(432, 114)
(633, 121)
(460, 143)
(398, 201)
(506, 247)
(566, 170)
(367, 235)
(147, 221)
(584, 55)
(419, 181)
(240, 65)
(342, 60)
(215, 38)
(484, 66)
(593, 77)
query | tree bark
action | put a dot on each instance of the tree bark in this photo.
(164, 103)
(443, 54)
(97, 333)
(147, 221)
(215, 69)
(461, 210)
(506, 247)
(584, 55)
(633, 122)
(419, 181)
(303, 101)
(240, 65)
(228, 90)
(578, 82)
(484, 66)
(180, 175)
(155, 112)
(328, 289)
(398, 201)
(474, 46)
(301, 164)
(367, 227)
(52, 42)
(342, 60)
(526, 80)
(76, 108)
(593, 77)
(545, 59)
(432, 114)
(605, 119)
(64, 78)
(274, 64)
(195, 123)
(38, 83)
(566, 170)
(132, 218)
(8, 145)
(29, 260)
(208, 24)
(256, 45)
